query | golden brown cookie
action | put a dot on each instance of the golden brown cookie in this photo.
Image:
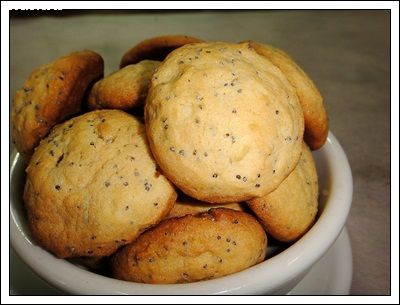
(185, 205)
(52, 93)
(223, 122)
(289, 211)
(193, 248)
(156, 48)
(315, 115)
(123, 89)
(92, 185)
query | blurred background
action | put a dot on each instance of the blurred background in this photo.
(346, 53)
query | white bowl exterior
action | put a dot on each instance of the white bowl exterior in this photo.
(277, 275)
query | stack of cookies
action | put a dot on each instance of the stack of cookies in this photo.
(176, 167)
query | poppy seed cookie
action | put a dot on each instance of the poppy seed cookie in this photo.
(52, 93)
(223, 122)
(185, 205)
(92, 185)
(156, 48)
(315, 116)
(193, 248)
(124, 89)
(289, 211)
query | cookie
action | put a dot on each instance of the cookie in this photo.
(288, 212)
(52, 93)
(315, 115)
(223, 122)
(193, 248)
(92, 185)
(185, 205)
(156, 48)
(123, 89)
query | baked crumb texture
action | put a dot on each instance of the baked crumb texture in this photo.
(93, 186)
(193, 248)
(223, 122)
(288, 212)
(51, 94)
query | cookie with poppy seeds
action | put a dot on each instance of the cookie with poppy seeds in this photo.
(51, 94)
(193, 248)
(223, 122)
(185, 205)
(92, 186)
(156, 48)
(288, 212)
(315, 115)
(124, 89)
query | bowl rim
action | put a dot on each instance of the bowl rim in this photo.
(297, 258)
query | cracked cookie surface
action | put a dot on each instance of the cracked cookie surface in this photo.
(193, 248)
(223, 122)
(92, 185)
(185, 205)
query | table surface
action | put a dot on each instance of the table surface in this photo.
(346, 53)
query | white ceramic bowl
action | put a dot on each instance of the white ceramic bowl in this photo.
(277, 275)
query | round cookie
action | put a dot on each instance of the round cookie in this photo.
(289, 211)
(92, 185)
(223, 122)
(124, 89)
(52, 93)
(156, 48)
(185, 205)
(193, 248)
(315, 115)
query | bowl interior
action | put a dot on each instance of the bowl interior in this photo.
(286, 264)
